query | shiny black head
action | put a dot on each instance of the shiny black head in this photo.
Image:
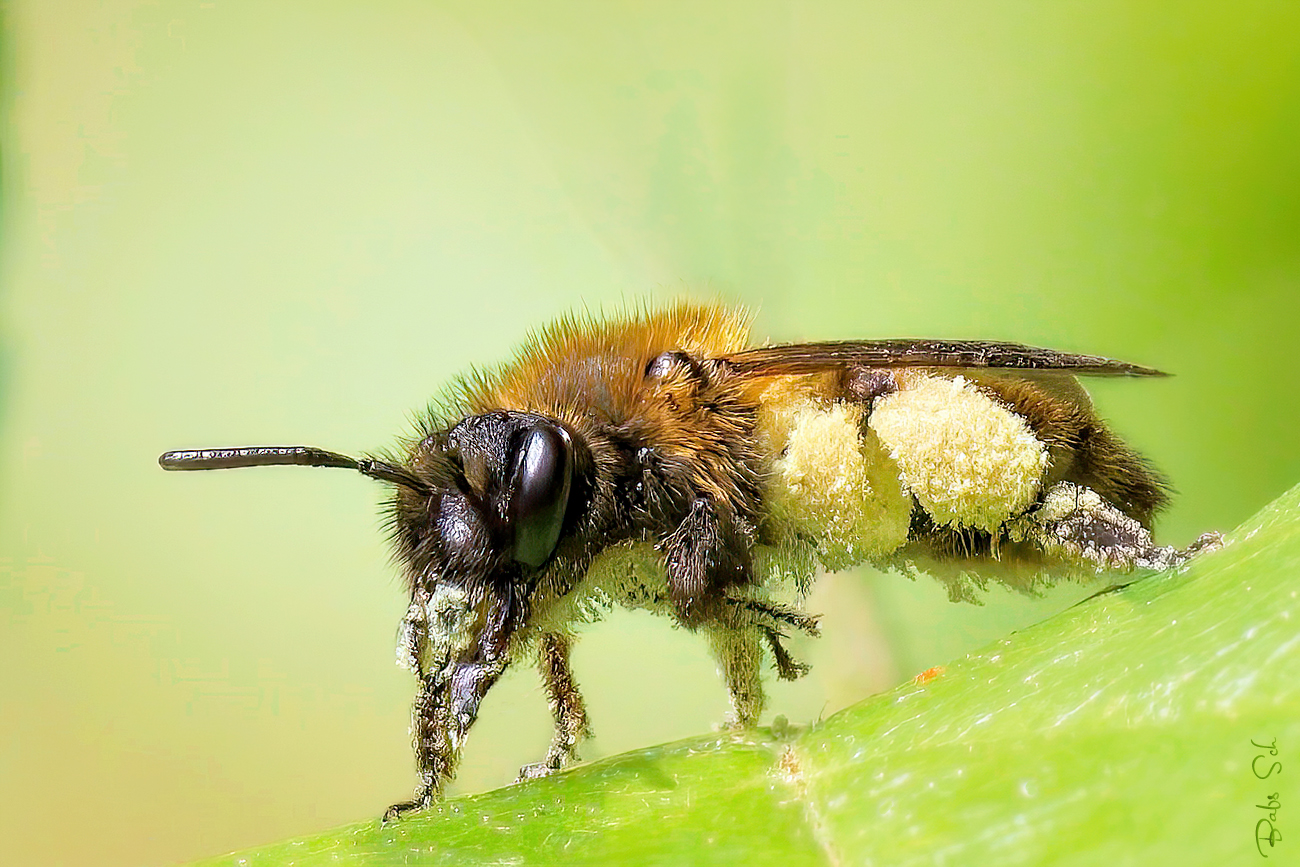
(499, 492)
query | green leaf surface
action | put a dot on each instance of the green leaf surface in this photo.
(1119, 731)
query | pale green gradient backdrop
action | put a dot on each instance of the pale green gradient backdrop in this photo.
(230, 223)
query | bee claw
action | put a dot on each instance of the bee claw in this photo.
(421, 802)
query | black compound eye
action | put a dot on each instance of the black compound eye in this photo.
(539, 492)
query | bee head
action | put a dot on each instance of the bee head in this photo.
(493, 501)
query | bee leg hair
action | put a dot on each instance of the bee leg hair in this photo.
(772, 616)
(787, 667)
(566, 703)
(739, 657)
(414, 644)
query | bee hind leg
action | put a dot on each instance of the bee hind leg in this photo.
(1075, 522)
(567, 707)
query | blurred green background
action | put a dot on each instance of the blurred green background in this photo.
(236, 222)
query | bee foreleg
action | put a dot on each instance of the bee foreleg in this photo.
(434, 758)
(450, 693)
(739, 657)
(566, 703)
(1077, 523)
(443, 712)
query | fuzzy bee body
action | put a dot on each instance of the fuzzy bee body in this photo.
(655, 461)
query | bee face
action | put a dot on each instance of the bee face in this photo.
(498, 493)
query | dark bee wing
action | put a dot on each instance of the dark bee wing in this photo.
(798, 358)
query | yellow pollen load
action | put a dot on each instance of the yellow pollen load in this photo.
(968, 460)
(830, 485)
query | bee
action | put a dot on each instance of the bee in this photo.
(657, 460)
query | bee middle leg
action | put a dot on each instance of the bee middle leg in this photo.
(770, 619)
(739, 654)
(706, 555)
(567, 707)
(739, 657)
(771, 616)
(787, 667)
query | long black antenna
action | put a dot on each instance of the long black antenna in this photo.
(273, 456)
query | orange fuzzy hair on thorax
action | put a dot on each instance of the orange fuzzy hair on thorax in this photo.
(581, 361)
